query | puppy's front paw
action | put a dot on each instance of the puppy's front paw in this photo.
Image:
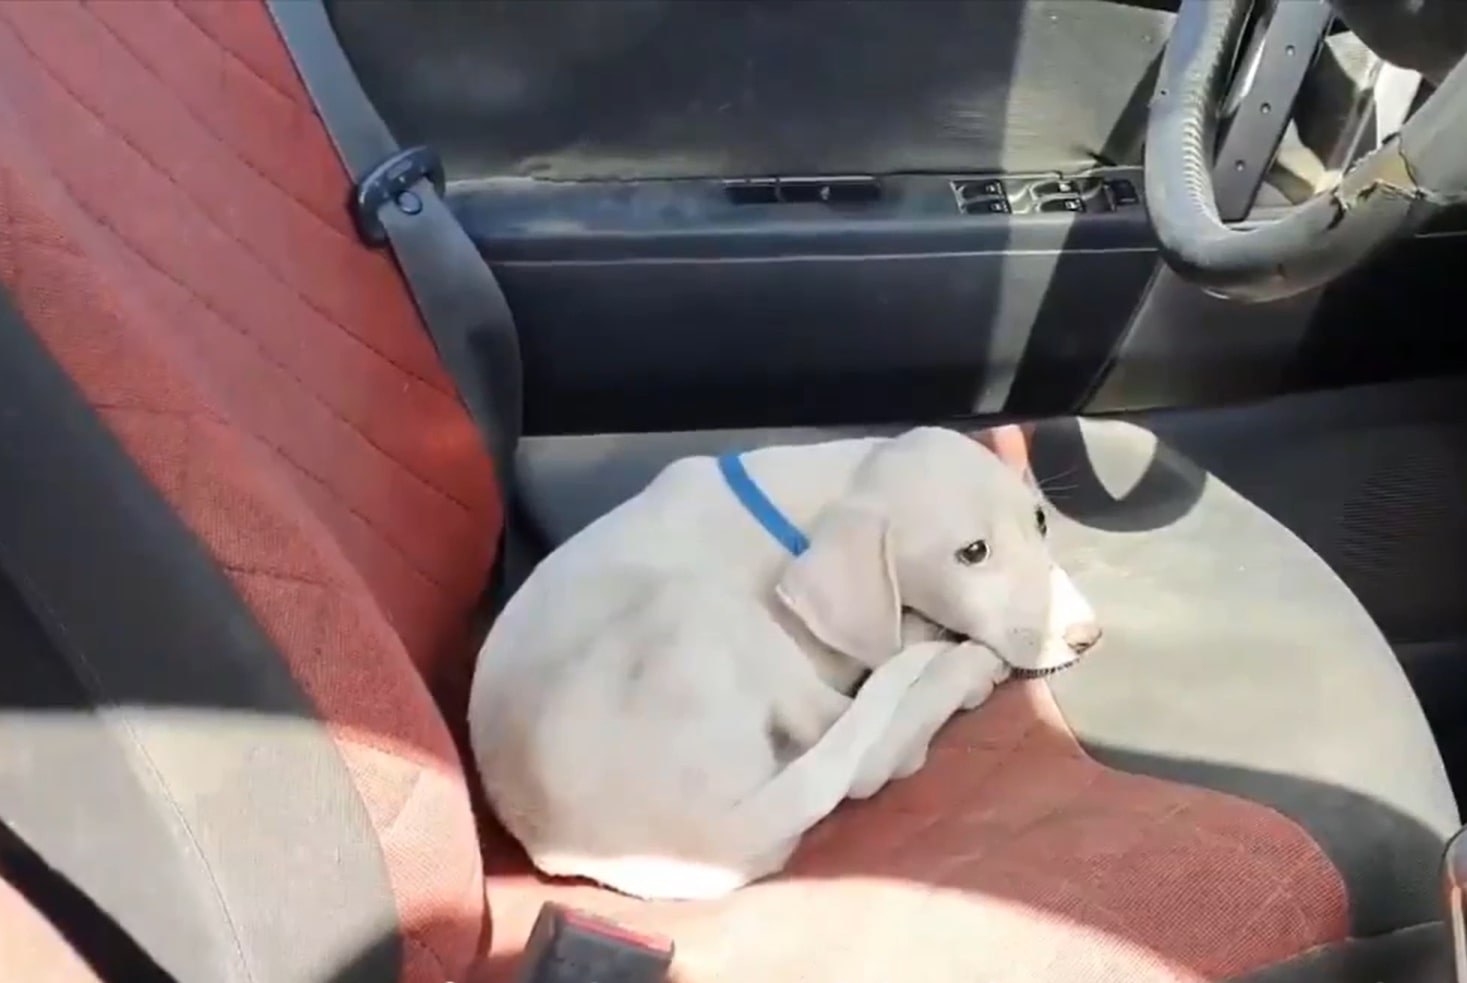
(982, 671)
(912, 763)
(977, 694)
(867, 785)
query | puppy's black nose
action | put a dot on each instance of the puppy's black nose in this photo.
(1082, 635)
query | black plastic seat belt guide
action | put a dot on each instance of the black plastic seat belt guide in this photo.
(398, 200)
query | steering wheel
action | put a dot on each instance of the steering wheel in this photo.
(1384, 196)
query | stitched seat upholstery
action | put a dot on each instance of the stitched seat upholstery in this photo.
(171, 225)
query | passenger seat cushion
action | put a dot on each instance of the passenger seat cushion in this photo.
(171, 225)
(1011, 856)
(1237, 660)
(1238, 680)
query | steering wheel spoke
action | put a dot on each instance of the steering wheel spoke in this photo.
(1193, 196)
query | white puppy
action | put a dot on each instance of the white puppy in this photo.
(666, 705)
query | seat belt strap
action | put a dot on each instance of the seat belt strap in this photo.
(398, 201)
(93, 935)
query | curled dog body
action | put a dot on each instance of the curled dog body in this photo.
(671, 700)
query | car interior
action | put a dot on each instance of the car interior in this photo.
(321, 321)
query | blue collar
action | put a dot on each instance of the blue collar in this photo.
(765, 512)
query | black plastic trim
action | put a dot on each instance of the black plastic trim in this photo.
(528, 221)
(836, 191)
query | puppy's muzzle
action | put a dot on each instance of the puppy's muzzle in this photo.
(1079, 637)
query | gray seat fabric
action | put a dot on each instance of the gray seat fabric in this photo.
(1234, 658)
(156, 752)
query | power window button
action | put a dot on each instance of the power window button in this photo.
(1069, 203)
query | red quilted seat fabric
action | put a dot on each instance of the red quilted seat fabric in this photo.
(171, 225)
(1012, 857)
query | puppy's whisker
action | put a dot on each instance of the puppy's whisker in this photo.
(1068, 472)
(1050, 491)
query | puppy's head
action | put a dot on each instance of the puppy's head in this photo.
(937, 523)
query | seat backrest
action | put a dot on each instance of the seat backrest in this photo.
(172, 232)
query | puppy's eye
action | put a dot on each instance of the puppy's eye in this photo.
(1041, 522)
(974, 552)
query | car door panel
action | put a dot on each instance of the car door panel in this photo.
(753, 213)
(618, 89)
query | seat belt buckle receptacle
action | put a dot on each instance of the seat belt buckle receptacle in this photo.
(392, 181)
(566, 946)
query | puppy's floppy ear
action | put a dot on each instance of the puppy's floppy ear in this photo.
(843, 588)
(1010, 443)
